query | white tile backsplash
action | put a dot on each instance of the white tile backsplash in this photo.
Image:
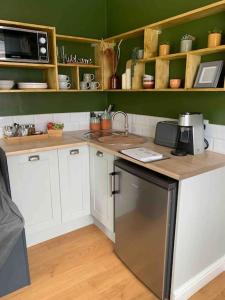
(43, 118)
(219, 145)
(138, 124)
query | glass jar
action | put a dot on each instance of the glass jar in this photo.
(8, 131)
(106, 122)
(31, 129)
(95, 124)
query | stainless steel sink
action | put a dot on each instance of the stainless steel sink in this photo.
(129, 139)
(115, 138)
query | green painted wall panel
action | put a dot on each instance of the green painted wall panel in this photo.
(38, 103)
(167, 104)
(71, 17)
(126, 15)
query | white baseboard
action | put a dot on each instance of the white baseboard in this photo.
(108, 233)
(193, 285)
(39, 237)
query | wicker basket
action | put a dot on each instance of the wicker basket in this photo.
(55, 132)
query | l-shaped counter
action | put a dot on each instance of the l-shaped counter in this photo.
(175, 167)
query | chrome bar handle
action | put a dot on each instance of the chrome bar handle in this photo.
(74, 152)
(99, 154)
(112, 183)
(34, 158)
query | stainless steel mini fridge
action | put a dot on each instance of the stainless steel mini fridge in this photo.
(145, 212)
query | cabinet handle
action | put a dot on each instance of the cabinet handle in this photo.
(99, 154)
(34, 158)
(112, 183)
(74, 152)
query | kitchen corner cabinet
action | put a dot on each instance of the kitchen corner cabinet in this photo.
(34, 181)
(102, 207)
(74, 182)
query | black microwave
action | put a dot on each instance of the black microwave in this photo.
(23, 45)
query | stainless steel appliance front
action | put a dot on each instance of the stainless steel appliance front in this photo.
(145, 206)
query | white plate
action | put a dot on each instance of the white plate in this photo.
(32, 85)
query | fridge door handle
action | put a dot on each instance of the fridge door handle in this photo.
(112, 183)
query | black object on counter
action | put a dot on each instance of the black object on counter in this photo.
(166, 134)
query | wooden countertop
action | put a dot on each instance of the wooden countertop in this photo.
(175, 167)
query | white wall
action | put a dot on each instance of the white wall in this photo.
(199, 251)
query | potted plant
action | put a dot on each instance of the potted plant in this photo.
(214, 38)
(164, 48)
(186, 43)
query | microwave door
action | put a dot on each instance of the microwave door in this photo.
(20, 45)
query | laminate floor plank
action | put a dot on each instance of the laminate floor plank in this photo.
(81, 265)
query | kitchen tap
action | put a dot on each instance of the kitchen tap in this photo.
(125, 119)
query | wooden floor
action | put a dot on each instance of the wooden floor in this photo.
(81, 266)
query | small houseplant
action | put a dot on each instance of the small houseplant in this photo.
(214, 38)
(186, 43)
(164, 48)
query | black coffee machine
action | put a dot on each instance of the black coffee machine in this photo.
(190, 139)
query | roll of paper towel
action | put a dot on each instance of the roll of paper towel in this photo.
(124, 81)
(128, 77)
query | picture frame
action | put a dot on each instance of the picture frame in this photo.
(209, 74)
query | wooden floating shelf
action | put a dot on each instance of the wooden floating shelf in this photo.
(102, 67)
(78, 91)
(170, 90)
(26, 25)
(180, 55)
(29, 91)
(205, 90)
(192, 15)
(79, 65)
(189, 16)
(206, 51)
(77, 39)
(26, 65)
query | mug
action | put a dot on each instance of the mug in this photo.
(62, 77)
(64, 85)
(94, 85)
(88, 77)
(84, 85)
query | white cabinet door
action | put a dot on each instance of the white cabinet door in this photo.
(34, 182)
(74, 182)
(102, 208)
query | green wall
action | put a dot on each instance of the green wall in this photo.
(72, 17)
(126, 15)
(101, 18)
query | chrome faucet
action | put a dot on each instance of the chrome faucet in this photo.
(125, 118)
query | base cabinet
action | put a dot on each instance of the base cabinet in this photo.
(52, 191)
(102, 207)
(74, 182)
(34, 181)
